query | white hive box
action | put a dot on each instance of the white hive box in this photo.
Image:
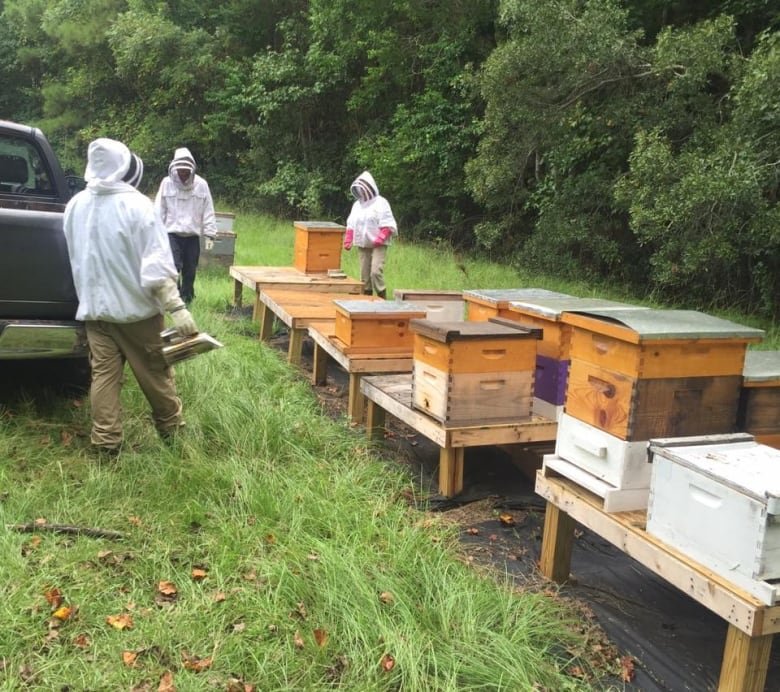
(719, 504)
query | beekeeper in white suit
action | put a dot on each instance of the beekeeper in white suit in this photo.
(187, 212)
(125, 278)
(370, 227)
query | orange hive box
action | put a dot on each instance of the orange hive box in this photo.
(639, 374)
(375, 327)
(482, 304)
(473, 372)
(317, 246)
(759, 410)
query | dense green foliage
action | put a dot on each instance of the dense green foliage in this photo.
(633, 142)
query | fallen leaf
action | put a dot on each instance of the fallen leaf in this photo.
(53, 597)
(199, 574)
(387, 663)
(239, 627)
(129, 658)
(66, 437)
(321, 637)
(627, 670)
(166, 682)
(313, 557)
(135, 521)
(506, 519)
(167, 588)
(386, 597)
(196, 665)
(63, 613)
(298, 640)
(219, 596)
(120, 622)
(492, 537)
(473, 531)
(82, 641)
(300, 611)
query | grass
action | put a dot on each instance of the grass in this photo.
(294, 560)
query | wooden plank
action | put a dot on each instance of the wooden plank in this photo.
(356, 403)
(295, 346)
(375, 421)
(266, 323)
(451, 471)
(238, 291)
(319, 373)
(557, 544)
(323, 334)
(745, 662)
(626, 531)
(258, 278)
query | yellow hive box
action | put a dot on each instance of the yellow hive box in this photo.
(317, 246)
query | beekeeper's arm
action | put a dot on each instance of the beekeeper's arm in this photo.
(168, 295)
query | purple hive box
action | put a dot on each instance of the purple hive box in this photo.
(550, 380)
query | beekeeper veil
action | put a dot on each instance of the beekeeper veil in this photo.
(364, 187)
(182, 168)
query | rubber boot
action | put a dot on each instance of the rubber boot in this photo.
(382, 294)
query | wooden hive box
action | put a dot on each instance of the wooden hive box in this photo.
(440, 306)
(553, 353)
(473, 372)
(719, 504)
(317, 246)
(656, 373)
(482, 304)
(375, 327)
(759, 408)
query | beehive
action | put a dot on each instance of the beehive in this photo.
(639, 374)
(381, 326)
(317, 246)
(759, 411)
(473, 372)
(719, 504)
(552, 360)
(440, 306)
(222, 253)
(482, 304)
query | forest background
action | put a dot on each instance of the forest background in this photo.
(632, 143)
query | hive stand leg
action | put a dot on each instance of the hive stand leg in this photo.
(375, 421)
(319, 373)
(258, 307)
(745, 662)
(266, 322)
(451, 471)
(557, 542)
(238, 290)
(356, 404)
(295, 348)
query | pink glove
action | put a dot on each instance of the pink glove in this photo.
(348, 236)
(384, 234)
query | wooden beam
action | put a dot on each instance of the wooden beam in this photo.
(557, 543)
(266, 317)
(375, 421)
(295, 347)
(451, 470)
(356, 403)
(319, 373)
(745, 662)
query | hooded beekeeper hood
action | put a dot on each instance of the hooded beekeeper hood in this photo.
(364, 187)
(111, 166)
(183, 160)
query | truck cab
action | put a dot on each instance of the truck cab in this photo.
(37, 299)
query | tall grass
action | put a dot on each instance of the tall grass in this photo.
(317, 573)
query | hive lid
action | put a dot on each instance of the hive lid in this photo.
(553, 308)
(370, 308)
(319, 226)
(762, 366)
(745, 466)
(503, 296)
(643, 325)
(447, 332)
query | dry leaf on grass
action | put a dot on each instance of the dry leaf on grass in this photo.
(198, 574)
(321, 637)
(298, 640)
(387, 663)
(166, 682)
(195, 664)
(627, 670)
(53, 597)
(124, 621)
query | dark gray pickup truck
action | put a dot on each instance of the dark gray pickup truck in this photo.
(37, 299)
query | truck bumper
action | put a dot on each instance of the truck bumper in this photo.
(22, 340)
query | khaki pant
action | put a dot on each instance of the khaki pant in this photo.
(138, 343)
(372, 268)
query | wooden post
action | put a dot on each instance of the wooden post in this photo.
(745, 662)
(319, 373)
(557, 543)
(258, 308)
(266, 316)
(375, 421)
(356, 403)
(237, 293)
(296, 346)
(451, 470)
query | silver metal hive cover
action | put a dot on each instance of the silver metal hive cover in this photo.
(675, 324)
(553, 307)
(762, 366)
(506, 295)
(375, 307)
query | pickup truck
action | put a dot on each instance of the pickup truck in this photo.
(37, 298)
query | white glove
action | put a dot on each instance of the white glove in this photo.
(209, 244)
(183, 321)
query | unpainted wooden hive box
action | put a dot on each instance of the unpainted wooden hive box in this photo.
(317, 246)
(719, 504)
(484, 303)
(380, 326)
(473, 372)
(759, 410)
(639, 374)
